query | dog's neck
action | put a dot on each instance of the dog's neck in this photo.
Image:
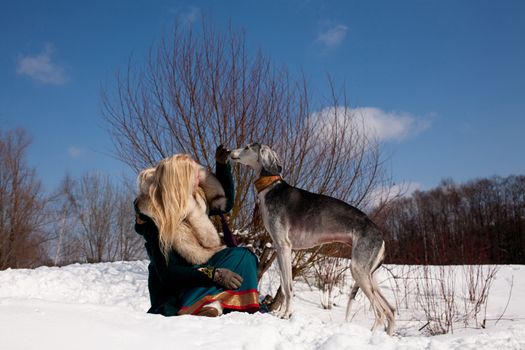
(265, 181)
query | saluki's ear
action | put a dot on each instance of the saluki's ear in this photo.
(269, 160)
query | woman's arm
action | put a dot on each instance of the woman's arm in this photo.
(225, 177)
(223, 173)
(203, 277)
(174, 274)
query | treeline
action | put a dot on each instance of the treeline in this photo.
(479, 222)
(89, 219)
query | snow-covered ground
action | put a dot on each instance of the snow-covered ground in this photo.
(102, 306)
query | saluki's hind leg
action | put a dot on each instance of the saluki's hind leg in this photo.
(389, 311)
(353, 293)
(362, 278)
(367, 256)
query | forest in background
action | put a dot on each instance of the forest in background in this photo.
(479, 222)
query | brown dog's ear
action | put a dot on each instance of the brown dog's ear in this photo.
(269, 161)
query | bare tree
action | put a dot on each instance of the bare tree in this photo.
(64, 249)
(22, 205)
(95, 221)
(200, 87)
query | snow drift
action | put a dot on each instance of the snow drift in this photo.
(102, 306)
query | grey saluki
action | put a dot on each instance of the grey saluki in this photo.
(298, 219)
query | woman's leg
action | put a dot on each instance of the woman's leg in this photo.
(246, 298)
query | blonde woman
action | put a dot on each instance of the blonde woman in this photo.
(177, 283)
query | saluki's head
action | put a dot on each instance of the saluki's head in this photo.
(258, 157)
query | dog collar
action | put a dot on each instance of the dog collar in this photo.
(266, 181)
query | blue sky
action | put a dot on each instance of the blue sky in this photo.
(443, 81)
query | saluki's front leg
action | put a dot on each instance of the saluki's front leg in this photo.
(284, 258)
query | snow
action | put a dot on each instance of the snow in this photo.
(102, 306)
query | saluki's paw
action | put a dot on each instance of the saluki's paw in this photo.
(282, 314)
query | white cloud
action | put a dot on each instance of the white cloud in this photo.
(384, 194)
(41, 68)
(332, 36)
(189, 15)
(373, 122)
(74, 152)
(389, 125)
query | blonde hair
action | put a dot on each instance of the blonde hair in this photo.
(145, 180)
(173, 185)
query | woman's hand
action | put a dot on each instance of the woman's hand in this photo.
(227, 278)
(221, 154)
(223, 277)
